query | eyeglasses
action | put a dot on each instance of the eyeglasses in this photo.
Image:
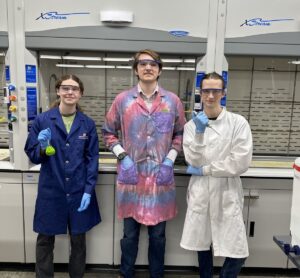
(151, 63)
(67, 88)
(211, 90)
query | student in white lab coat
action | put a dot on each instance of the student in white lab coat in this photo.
(218, 148)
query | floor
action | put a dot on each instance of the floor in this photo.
(12, 274)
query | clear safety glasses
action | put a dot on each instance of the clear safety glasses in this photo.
(211, 90)
(151, 63)
(69, 88)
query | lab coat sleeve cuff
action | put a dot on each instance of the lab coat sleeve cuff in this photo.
(117, 149)
(172, 155)
(206, 170)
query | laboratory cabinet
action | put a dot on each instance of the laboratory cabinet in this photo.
(99, 240)
(267, 213)
(11, 218)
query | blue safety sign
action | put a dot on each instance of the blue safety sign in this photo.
(30, 71)
(31, 104)
(7, 73)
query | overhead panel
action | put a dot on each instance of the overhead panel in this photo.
(168, 27)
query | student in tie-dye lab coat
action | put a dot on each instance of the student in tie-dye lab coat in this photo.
(150, 123)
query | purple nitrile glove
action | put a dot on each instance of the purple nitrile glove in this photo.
(201, 121)
(44, 137)
(165, 174)
(128, 172)
(85, 202)
(194, 171)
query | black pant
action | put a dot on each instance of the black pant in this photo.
(44, 256)
(230, 269)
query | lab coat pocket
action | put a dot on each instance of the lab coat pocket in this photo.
(197, 197)
(128, 176)
(165, 175)
(231, 202)
(163, 121)
(80, 146)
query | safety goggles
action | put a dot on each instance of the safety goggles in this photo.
(211, 90)
(67, 88)
(151, 63)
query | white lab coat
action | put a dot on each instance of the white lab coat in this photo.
(215, 201)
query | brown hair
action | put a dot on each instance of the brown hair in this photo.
(149, 52)
(58, 83)
(213, 75)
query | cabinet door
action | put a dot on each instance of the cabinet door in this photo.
(99, 240)
(11, 217)
(61, 250)
(269, 214)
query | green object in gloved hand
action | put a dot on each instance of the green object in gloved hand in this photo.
(50, 150)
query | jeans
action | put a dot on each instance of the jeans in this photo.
(230, 269)
(44, 267)
(156, 248)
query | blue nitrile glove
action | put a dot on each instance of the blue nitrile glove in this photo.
(44, 137)
(85, 202)
(128, 172)
(201, 121)
(165, 174)
(126, 162)
(194, 171)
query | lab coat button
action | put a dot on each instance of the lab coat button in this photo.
(68, 194)
(67, 144)
(67, 161)
(67, 179)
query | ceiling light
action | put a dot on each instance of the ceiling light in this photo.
(169, 68)
(123, 67)
(172, 60)
(53, 57)
(185, 68)
(112, 59)
(192, 61)
(2, 54)
(69, 66)
(294, 62)
(82, 58)
(100, 66)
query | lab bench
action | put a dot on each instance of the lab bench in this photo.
(267, 201)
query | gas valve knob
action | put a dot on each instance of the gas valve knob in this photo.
(12, 108)
(12, 98)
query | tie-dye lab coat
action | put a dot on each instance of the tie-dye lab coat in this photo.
(147, 137)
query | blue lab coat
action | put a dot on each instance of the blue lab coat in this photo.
(65, 176)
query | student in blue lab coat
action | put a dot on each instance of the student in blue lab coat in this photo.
(66, 199)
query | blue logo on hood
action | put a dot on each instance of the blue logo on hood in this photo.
(262, 22)
(179, 33)
(58, 16)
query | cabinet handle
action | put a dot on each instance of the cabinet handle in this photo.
(251, 231)
(252, 197)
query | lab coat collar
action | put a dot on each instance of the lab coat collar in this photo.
(58, 122)
(141, 102)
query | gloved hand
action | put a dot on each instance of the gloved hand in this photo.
(201, 121)
(44, 137)
(128, 172)
(85, 202)
(165, 174)
(194, 171)
(126, 162)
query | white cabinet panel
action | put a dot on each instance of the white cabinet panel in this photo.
(269, 215)
(11, 218)
(100, 238)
